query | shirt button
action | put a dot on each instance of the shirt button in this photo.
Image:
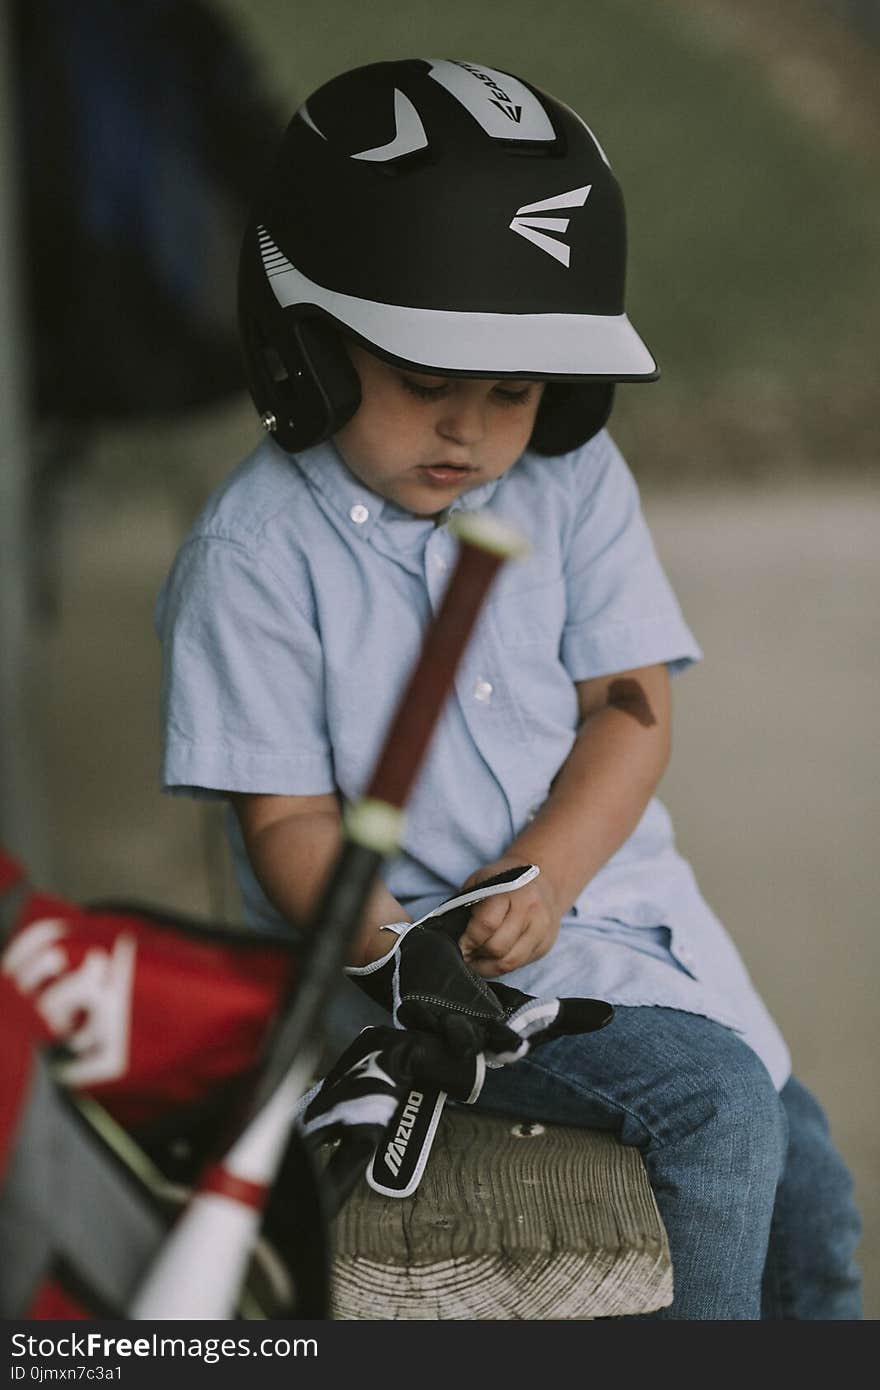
(483, 691)
(359, 513)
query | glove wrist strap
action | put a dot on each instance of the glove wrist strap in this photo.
(400, 930)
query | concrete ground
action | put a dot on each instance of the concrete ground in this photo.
(773, 784)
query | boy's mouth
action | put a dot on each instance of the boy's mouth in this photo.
(443, 474)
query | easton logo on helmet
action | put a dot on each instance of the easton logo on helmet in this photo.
(395, 1152)
(534, 229)
(500, 98)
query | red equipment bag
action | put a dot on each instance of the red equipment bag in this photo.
(157, 1012)
(160, 1020)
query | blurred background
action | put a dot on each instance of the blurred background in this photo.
(745, 139)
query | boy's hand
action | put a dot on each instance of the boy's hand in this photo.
(509, 929)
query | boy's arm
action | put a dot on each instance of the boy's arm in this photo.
(292, 843)
(596, 801)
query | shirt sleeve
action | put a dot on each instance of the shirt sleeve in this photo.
(242, 678)
(621, 610)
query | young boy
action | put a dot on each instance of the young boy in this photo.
(432, 316)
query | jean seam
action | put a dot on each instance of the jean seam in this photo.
(779, 1284)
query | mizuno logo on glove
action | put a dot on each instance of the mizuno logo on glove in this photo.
(395, 1152)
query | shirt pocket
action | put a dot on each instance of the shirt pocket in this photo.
(531, 615)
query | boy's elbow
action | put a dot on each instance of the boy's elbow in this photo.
(261, 815)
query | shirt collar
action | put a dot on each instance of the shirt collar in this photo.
(361, 508)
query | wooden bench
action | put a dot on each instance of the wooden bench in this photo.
(510, 1221)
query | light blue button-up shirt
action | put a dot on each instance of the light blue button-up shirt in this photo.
(291, 620)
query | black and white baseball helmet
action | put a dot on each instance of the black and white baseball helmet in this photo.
(454, 220)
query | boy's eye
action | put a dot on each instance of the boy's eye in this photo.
(424, 393)
(513, 397)
(417, 388)
(433, 393)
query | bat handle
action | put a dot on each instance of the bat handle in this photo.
(374, 825)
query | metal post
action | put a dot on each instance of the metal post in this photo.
(22, 824)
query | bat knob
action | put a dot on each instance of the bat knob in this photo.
(489, 532)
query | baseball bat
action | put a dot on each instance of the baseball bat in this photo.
(203, 1262)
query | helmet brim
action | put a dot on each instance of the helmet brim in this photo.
(543, 347)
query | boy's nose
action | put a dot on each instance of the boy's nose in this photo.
(463, 422)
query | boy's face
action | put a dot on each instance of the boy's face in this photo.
(421, 441)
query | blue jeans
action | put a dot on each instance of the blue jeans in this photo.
(756, 1201)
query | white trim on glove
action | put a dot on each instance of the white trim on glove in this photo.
(475, 895)
(531, 1017)
(400, 929)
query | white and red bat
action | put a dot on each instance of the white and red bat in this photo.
(200, 1268)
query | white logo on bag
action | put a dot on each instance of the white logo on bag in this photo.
(395, 1152)
(89, 1007)
(534, 229)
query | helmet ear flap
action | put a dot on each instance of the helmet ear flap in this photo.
(570, 413)
(307, 379)
(301, 379)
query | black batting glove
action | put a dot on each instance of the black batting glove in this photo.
(385, 1091)
(532, 1020)
(424, 983)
